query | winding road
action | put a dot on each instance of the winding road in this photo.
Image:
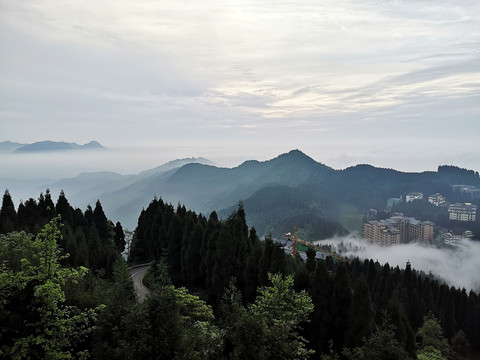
(136, 274)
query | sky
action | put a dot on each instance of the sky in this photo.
(394, 84)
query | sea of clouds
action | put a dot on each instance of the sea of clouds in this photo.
(458, 266)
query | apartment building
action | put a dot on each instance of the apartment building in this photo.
(381, 233)
(398, 229)
(462, 212)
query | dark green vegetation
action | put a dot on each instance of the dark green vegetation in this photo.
(295, 189)
(218, 292)
(289, 190)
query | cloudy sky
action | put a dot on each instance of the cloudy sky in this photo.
(391, 83)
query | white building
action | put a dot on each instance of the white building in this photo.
(462, 212)
(413, 196)
(436, 199)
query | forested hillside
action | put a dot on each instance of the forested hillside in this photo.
(297, 190)
(301, 191)
(218, 292)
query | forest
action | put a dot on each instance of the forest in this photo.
(218, 291)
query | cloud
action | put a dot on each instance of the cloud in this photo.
(458, 267)
(249, 73)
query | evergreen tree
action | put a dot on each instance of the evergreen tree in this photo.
(64, 209)
(403, 330)
(8, 215)
(119, 238)
(363, 323)
(36, 322)
(46, 205)
(341, 305)
(431, 335)
(321, 292)
(381, 345)
(271, 324)
(101, 222)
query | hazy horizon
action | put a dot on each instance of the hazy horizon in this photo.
(391, 83)
(57, 165)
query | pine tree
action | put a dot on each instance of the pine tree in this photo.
(319, 330)
(341, 305)
(119, 238)
(8, 215)
(101, 222)
(64, 209)
(363, 323)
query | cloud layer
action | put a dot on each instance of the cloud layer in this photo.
(326, 76)
(459, 267)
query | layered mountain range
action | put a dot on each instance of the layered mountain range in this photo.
(47, 146)
(289, 190)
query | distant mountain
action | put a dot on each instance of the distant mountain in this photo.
(9, 146)
(205, 188)
(174, 164)
(86, 188)
(289, 190)
(48, 146)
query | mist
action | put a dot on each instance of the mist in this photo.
(458, 267)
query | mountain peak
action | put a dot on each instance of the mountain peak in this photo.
(48, 146)
(295, 155)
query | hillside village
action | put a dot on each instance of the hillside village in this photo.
(400, 229)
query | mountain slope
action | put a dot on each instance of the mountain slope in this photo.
(205, 188)
(9, 146)
(323, 194)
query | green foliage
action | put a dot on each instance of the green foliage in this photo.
(332, 354)
(49, 328)
(430, 353)
(169, 324)
(275, 318)
(381, 345)
(431, 335)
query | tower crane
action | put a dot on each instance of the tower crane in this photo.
(296, 241)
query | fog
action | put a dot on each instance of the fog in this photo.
(126, 159)
(459, 266)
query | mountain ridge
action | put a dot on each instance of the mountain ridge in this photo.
(51, 146)
(325, 196)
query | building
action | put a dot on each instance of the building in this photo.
(391, 202)
(398, 229)
(451, 236)
(436, 199)
(454, 239)
(471, 191)
(420, 231)
(413, 196)
(381, 233)
(462, 212)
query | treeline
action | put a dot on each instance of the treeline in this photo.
(61, 279)
(218, 292)
(206, 253)
(349, 298)
(89, 237)
(277, 209)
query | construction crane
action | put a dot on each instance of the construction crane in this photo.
(296, 241)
